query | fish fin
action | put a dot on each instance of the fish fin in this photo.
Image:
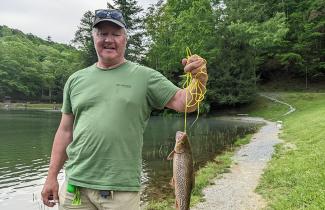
(176, 204)
(172, 182)
(171, 155)
(193, 181)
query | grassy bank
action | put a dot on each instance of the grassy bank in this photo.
(204, 176)
(295, 177)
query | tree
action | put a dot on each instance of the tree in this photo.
(131, 12)
(83, 39)
(246, 36)
(232, 35)
(31, 67)
(172, 28)
(303, 46)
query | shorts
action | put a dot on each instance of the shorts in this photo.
(93, 200)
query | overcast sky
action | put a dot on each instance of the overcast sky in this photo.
(56, 18)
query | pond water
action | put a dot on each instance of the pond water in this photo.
(26, 139)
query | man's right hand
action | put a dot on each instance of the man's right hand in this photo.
(62, 139)
(50, 192)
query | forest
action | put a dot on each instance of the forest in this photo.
(33, 69)
(246, 44)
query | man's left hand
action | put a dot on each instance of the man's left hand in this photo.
(196, 65)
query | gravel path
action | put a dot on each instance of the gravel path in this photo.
(272, 98)
(236, 190)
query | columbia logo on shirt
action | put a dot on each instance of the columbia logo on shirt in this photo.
(124, 85)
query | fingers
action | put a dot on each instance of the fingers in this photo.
(55, 196)
(184, 61)
(46, 197)
(195, 66)
(191, 59)
(49, 198)
(50, 201)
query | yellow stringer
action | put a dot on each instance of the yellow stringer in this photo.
(194, 88)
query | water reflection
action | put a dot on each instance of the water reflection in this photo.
(26, 140)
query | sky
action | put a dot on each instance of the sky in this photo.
(56, 18)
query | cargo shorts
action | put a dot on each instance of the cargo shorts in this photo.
(97, 200)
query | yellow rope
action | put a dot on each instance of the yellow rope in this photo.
(195, 90)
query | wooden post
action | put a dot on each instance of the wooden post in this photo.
(306, 78)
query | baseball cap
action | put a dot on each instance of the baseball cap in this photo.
(111, 15)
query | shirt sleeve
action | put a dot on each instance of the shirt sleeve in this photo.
(66, 105)
(160, 90)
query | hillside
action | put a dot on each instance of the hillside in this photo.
(32, 68)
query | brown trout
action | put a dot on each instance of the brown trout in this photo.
(183, 174)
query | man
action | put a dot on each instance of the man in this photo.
(105, 110)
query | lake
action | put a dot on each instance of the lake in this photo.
(26, 139)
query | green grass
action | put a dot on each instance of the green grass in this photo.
(263, 107)
(295, 177)
(159, 205)
(204, 176)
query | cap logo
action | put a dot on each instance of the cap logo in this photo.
(114, 16)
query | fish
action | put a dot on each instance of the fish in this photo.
(183, 179)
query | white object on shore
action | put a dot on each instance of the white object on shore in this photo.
(279, 124)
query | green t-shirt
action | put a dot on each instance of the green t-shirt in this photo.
(111, 108)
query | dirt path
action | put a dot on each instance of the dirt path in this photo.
(236, 190)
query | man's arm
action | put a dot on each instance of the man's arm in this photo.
(62, 139)
(194, 65)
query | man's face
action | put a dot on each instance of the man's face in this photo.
(110, 43)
